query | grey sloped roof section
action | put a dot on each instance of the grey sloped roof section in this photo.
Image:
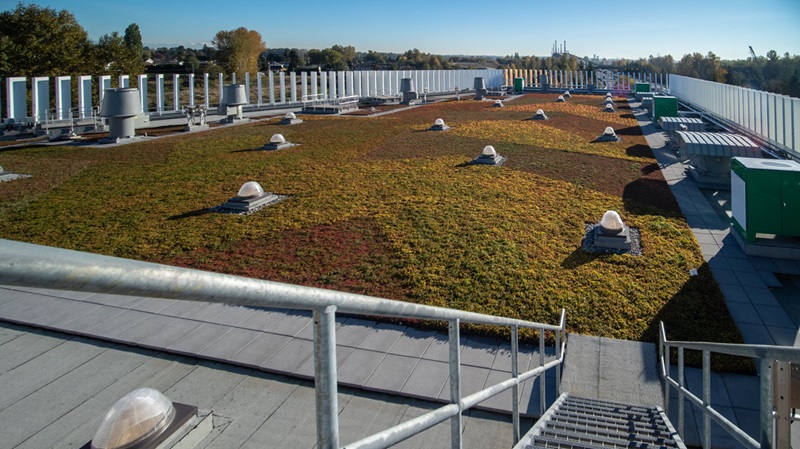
(716, 144)
(673, 123)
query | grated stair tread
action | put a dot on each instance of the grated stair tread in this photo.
(652, 431)
(657, 437)
(625, 440)
(624, 416)
(607, 405)
(563, 443)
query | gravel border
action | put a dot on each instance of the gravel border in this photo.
(587, 244)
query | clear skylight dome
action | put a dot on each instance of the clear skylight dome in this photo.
(249, 189)
(609, 131)
(139, 415)
(612, 222)
(488, 150)
(277, 138)
(290, 116)
(608, 95)
(566, 92)
(609, 106)
(539, 112)
(498, 102)
(560, 98)
(438, 122)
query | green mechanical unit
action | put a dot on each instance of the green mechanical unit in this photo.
(519, 84)
(641, 87)
(765, 197)
(664, 107)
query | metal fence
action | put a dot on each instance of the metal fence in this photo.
(161, 94)
(773, 363)
(772, 118)
(25, 264)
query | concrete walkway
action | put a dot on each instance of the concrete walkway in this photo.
(379, 357)
(744, 280)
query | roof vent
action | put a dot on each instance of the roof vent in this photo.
(408, 90)
(540, 115)
(145, 419)
(278, 142)
(609, 107)
(498, 104)
(139, 416)
(489, 156)
(479, 84)
(234, 96)
(439, 125)
(120, 106)
(608, 136)
(560, 99)
(250, 198)
(567, 94)
(290, 119)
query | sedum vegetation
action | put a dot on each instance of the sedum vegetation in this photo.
(380, 206)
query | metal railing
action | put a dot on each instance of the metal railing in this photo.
(25, 264)
(765, 355)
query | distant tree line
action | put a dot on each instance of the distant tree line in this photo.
(37, 41)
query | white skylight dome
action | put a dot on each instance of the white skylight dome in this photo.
(608, 95)
(609, 131)
(277, 138)
(249, 189)
(498, 102)
(539, 112)
(438, 122)
(488, 150)
(290, 116)
(560, 98)
(612, 222)
(140, 415)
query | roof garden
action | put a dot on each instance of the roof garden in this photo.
(381, 206)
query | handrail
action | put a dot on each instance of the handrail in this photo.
(766, 354)
(25, 264)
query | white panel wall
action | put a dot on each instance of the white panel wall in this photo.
(773, 117)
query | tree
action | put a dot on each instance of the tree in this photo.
(238, 50)
(133, 39)
(114, 57)
(36, 41)
(294, 59)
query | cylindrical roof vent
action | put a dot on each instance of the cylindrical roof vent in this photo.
(234, 95)
(479, 83)
(407, 85)
(120, 106)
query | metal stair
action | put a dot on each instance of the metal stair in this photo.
(578, 423)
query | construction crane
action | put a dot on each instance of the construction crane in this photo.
(758, 68)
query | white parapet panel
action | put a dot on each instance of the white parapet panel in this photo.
(176, 92)
(191, 89)
(303, 85)
(323, 84)
(63, 97)
(282, 78)
(271, 82)
(159, 93)
(340, 84)
(331, 85)
(220, 84)
(84, 96)
(40, 94)
(247, 86)
(16, 98)
(124, 81)
(259, 88)
(104, 82)
(141, 82)
(293, 87)
(205, 90)
(314, 84)
(350, 88)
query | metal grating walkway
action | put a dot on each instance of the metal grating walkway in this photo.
(579, 423)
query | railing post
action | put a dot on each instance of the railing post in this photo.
(515, 388)
(767, 436)
(707, 399)
(680, 391)
(454, 343)
(783, 420)
(542, 386)
(666, 383)
(325, 377)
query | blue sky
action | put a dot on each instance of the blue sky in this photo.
(608, 29)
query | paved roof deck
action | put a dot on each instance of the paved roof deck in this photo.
(57, 387)
(745, 281)
(380, 357)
